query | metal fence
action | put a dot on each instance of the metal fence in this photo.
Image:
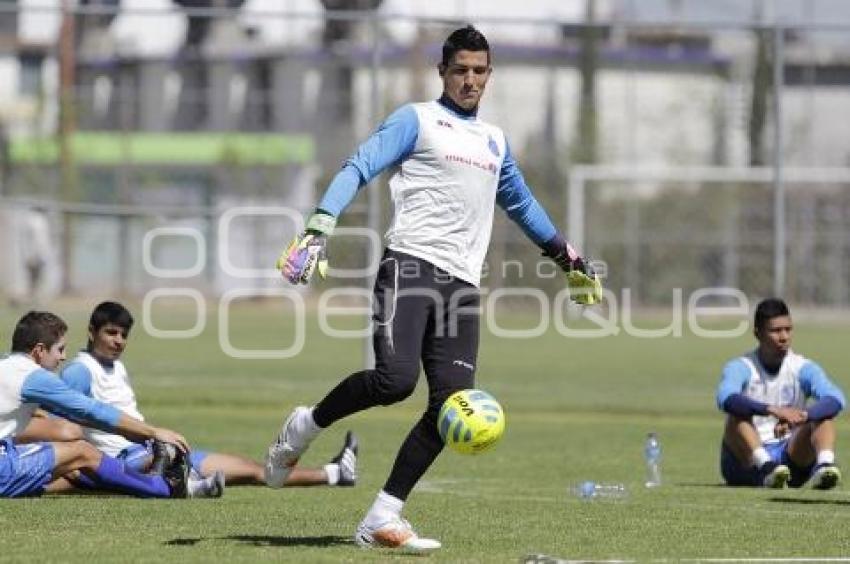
(696, 227)
(261, 110)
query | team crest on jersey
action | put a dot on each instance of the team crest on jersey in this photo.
(443, 123)
(491, 143)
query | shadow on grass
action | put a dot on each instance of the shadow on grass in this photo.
(266, 540)
(844, 502)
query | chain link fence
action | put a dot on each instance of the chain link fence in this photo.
(698, 227)
(114, 142)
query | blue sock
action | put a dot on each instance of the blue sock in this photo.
(112, 474)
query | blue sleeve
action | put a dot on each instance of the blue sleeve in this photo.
(54, 395)
(743, 406)
(391, 143)
(825, 408)
(514, 196)
(816, 384)
(78, 377)
(734, 380)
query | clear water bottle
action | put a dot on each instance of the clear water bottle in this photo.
(652, 455)
(593, 490)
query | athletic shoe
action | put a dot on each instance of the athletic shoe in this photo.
(177, 475)
(395, 533)
(825, 476)
(283, 454)
(164, 455)
(211, 486)
(347, 461)
(773, 475)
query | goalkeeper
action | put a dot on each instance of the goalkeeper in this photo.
(452, 168)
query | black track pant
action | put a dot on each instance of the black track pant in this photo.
(420, 313)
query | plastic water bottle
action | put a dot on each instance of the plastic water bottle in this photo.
(593, 490)
(652, 455)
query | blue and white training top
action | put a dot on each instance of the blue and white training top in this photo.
(24, 386)
(109, 384)
(798, 380)
(452, 168)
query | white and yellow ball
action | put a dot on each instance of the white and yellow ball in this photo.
(471, 421)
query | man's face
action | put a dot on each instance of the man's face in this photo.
(775, 336)
(465, 77)
(50, 358)
(109, 342)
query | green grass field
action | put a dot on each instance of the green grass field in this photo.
(577, 409)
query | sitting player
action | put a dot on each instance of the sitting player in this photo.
(99, 373)
(33, 468)
(772, 436)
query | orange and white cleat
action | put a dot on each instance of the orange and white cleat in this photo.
(395, 533)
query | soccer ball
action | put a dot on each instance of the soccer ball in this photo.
(471, 421)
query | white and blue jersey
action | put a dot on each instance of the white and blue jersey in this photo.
(24, 386)
(109, 382)
(452, 168)
(796, 382)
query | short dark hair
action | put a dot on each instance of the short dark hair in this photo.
(110, 312)
(467, 38)
(767, 309)
(37, 327)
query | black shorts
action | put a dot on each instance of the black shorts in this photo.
(423, 314)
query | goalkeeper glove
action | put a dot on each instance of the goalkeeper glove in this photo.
(582, 280)
(307, 252)
(584, 285)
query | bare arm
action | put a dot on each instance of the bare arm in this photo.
(44, 389)
(139, 431)
(790, 415)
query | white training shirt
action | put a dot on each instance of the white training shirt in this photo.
(15, 413)
(108, 385)
(797, 381)
(452, 169)
(783, 389)
(444, 197)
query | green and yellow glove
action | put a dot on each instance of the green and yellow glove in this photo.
(582, 280)
(307, 252)
(584, 285)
